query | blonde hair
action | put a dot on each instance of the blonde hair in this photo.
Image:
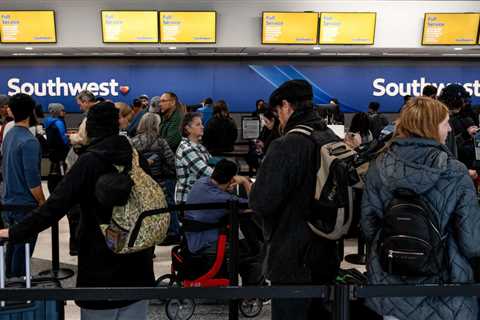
(420, 117)
(124, 110)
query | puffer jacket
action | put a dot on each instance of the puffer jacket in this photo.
(429, 169)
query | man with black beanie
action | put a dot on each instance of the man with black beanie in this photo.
(97, 265)
(282, 195)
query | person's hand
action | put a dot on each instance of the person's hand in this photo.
(353, 140)
(473, 174)
(472, 130)
(4, 233)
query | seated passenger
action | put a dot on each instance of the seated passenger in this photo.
(418, 160)
(215, 189)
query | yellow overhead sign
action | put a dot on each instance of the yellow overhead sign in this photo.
(129, 26)
(188, 27)
(450, 28)
(289, 27)
(27, 27)
(347, 27)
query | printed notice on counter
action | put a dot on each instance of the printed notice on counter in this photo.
(188, 27)
(347, 28)
(450, 28)
(289, 27)
(27, 27)
(129, 26)
(250, 128)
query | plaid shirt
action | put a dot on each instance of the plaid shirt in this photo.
(191, 164)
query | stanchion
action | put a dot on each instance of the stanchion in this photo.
(341, 309)
(56, 272)
(232, 266)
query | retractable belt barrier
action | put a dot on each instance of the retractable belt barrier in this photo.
(341, 295)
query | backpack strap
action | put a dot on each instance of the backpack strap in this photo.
(302, 129)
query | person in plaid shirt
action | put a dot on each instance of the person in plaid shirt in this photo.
(191, 158)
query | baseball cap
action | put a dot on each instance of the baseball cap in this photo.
(293, 91)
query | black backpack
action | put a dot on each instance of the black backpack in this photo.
(411, 242)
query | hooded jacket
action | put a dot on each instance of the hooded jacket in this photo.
(97, 265)
(282, 195)
(429, 169)
(57, 139)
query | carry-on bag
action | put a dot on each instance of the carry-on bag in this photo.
(28, 310)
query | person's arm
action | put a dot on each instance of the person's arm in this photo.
(172, 134)
(372, 205)
(69, 192)
(168, 156)
(278, 177)
(62, 131)
(31, 158)
(196, 163)
(466, 218)
(244, 182)
(81, 136)
(37, 193)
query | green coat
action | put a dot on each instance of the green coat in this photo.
(170, 129)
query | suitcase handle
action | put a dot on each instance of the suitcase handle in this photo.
(28, 276)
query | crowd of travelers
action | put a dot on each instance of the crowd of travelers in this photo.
(428, 157)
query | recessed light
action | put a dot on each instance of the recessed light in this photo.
(316, 48)
(28, 48)
(458, 49)
(172, 48)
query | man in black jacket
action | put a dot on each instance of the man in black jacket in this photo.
(282, 195)
(97, 265)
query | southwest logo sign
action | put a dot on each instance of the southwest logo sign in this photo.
(57, 88)
(124, 89)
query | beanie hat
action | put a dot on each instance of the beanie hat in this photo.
(293, 91)
(55, 108)
(453, 96)
(102, 120)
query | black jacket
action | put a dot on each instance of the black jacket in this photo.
(97, 265)
(282, 196)
(220, 135)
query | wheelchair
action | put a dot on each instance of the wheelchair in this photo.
(186, 274)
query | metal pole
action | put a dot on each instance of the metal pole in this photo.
(233, 265)
(341, 310)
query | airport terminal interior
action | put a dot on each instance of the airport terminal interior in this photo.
(134, 106)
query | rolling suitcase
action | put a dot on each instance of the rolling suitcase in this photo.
(28, 310)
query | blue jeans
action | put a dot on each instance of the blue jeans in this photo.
(15, 259)
(169, 189)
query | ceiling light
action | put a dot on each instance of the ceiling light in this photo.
(172, 48)
(28, 48)
(316, 48)
(458, 49)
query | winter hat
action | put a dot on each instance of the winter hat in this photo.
(293, 91)
(102, 120)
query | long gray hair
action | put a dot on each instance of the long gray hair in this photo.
(150, 125)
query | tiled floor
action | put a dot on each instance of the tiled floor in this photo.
(161, 266)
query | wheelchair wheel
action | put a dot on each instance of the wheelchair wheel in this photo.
(167, 280)
(251, 307)
(180, 309)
